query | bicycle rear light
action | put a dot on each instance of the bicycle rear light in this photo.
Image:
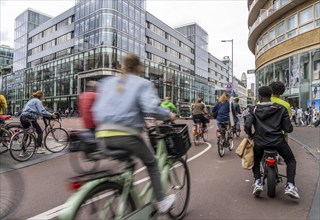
(219, 130)
(74, 185)
(271, 162)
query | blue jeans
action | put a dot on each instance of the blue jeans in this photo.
(222, 124)
(237, 123)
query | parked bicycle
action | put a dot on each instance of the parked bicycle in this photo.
(225, 138)
(198, 132)
(11, 190)
(56, 139)
(113, 195)
(269, 170)
(6, 131)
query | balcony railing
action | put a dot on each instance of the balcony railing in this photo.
(267, 12)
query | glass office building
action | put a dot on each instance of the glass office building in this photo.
(89, 41)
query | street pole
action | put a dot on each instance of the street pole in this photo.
(231, 59)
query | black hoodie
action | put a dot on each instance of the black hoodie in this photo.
(269, 120)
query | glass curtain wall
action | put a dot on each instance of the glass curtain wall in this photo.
(300, 74)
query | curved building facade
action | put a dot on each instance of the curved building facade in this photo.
(284, 36)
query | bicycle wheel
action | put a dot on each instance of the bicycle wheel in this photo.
(81, 164)
(56, 140)
(196, 138)
(102, 202)
(205, 135)
(22, 146)
(238, 133)
(11, 191)
(4, 140)
(179, 184)
(220, 147)
(271, 181)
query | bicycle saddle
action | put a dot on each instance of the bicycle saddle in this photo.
(270, 152)
(197, 120)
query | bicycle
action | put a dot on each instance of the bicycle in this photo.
(6, 131)
(56, 139)
(198, 132)
(236, 128)
(11, 190)
(225, 138)
(121, 198)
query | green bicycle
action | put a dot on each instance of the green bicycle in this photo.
(114, 195)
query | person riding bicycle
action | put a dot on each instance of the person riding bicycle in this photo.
(85, 104)
(223, 111)
(32, 110)
(198, 113)
(3, 107)
(269, 120)
(168, 105)
(119, 113)
(236, 110)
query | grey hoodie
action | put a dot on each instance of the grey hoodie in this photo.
(125, 110)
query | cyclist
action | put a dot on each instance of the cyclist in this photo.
(85, 103)
(119, 113)
(223, 111)
(198, 112)
(269, 120)
(236, 110)
(32, 111)
(3, 106)
(278, 89)
(169, 105)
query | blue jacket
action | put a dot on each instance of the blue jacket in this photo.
(223, 111)
(125, 110)
(34, 109)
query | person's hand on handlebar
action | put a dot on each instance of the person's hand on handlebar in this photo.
(54, 116)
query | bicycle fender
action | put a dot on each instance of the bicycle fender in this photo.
(74, 201)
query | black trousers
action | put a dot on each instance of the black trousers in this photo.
(285, 152)
(201, 118)
(26, 124)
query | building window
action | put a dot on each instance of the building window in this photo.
(306, 16)
(292, 22)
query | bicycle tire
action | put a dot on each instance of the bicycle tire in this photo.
(81, 164)
(105, 191)
(180, 187)
(238, 133)
(196, 138)
(220, 147)
(5, 136)
(11, 191)
(205, 136)
(56, 140)
(271, 181)
(22, 141)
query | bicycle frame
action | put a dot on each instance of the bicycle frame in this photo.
(126, 180)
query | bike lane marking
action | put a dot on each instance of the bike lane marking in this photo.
(55, 212)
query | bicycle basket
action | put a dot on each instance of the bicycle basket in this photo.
(177, 139)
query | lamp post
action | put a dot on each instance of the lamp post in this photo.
(231, 58)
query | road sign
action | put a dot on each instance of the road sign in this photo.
(251, 71)
(229, 86)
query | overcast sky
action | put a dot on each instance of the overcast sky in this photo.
(222, 19)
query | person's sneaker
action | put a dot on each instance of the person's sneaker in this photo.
(291, 191)
(41, 150)
(257, 188)
(23, 153)
(165, 204)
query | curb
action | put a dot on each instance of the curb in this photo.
(309, 149)
(314, 211)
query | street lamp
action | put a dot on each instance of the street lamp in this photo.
(231, 58)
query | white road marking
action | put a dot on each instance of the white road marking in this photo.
(55, 212)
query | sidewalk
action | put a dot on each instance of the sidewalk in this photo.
(309, 138)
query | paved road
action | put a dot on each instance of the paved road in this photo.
(221, 189)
